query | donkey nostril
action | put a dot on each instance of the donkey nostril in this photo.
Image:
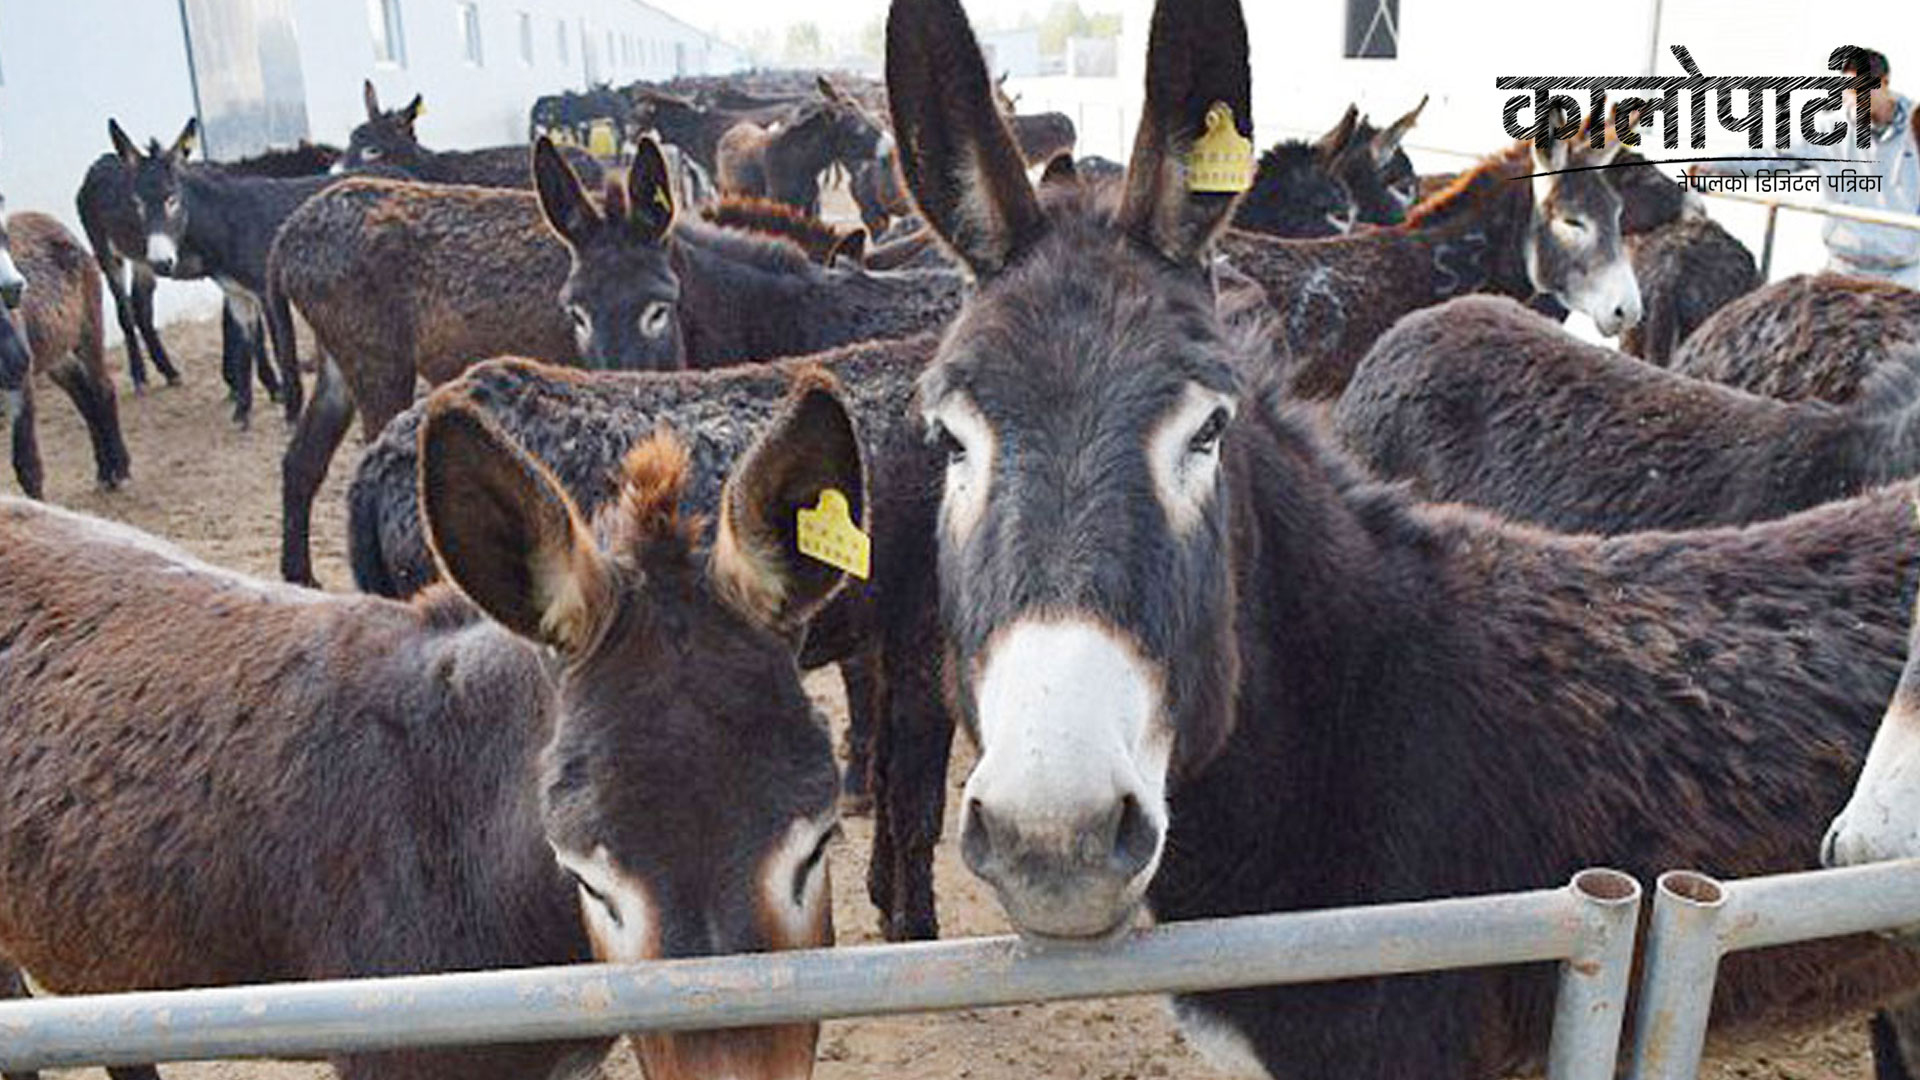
(976, 837)
(1135, 838)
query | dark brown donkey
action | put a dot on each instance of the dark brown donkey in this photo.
(825, 244)
(625, 286)
(1808, 336)
(882, 632)
(1212, 670)
(1493, 230)
(783, 161)
(1480, 400)
(550, 773)
(386, 141)
(55, 284)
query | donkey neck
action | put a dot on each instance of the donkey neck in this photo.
(232, 219)
(1476, 234)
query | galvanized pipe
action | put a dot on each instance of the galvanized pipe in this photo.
(1682, 962)
(1697, 920)
(1766, 247)
(1579, 922)
(1592, 1001)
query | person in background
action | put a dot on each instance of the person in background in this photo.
(1886, 252)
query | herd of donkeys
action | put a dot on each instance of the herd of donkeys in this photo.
(1277, 549)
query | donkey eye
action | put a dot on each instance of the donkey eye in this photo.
(580, 320)
(1207, 439)
(173, 203)
(371, 153)
(804, 873)
(654, 320)
(1574, 223)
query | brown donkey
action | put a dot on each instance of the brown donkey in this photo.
(541, 768)
(1492, 230)
(46, 273)
(1813, 336)
(1213, 670)
(783, 161)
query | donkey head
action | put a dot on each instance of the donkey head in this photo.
(12, 285)
(621, 293)
(1083, 396)
(1381, 173)
(1301, 190)
(687, 789)
(156, 191)
(849, 133)
(1882, 819)
(1574, 249)
(386, 139)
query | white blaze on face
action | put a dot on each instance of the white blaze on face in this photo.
(1072, 721)
(619, 913)
(1882, 819)
(160, 249)
(1183, 453)
(1609, 294)
(793, 879)
(968, 476)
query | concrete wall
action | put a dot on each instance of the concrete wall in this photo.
(67, 65)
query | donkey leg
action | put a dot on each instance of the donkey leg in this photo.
(862, 677)
(1895, 1033)
(112, 268)
(143, 286)
(26, 444)
(279, 316)
(235, 364)
(101, 418)
(322, 425)
(912, 743)
(263, 359)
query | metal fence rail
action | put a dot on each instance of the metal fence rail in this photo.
(1589, 926)
(1774, 206)
(1697, 920)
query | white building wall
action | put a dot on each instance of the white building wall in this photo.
(68, 65)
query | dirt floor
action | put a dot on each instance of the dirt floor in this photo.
(215, 490)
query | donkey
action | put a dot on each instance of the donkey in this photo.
(1211, 670)
(881, 631)
(57, 332)
(1816, 336)
(635, 288)
(697, 129)
(1482, 401)
(823, 243)
(541, 768)
(1353, 173)
(204, 221)
(387, 141)
(1557, 234)
(118, 239)
(784, 162)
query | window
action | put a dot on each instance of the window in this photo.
(469, 15)
(526, 39)
(389, 41)
(560, 41)
(1373, 29)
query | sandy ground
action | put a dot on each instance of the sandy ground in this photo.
(203, 484)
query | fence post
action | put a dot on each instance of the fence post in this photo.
(1766, 249)
(1592, 1001)
(1682, 962)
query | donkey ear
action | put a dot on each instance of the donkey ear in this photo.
(1385, 144)
(757, 566)
(956, 154)
(1329, 146)
(503, 531)
(1196, 60)
(562, 200)
(413, 110)
(649, 194)
(1553, 148)
(182, 147)
(125, 147)
(371, 98)
(826, 88)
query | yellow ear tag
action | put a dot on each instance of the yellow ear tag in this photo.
(1221, 160)
(665, 202)
(827, 533)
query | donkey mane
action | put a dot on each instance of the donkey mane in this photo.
(647, 514)
(771, 218)
(1485, 180)
(763, 251)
